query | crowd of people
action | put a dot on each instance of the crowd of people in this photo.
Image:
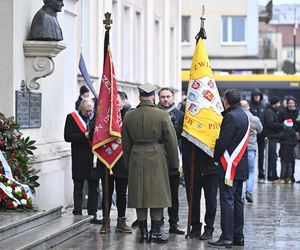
(153, 151)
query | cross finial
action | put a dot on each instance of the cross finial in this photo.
(107, 21)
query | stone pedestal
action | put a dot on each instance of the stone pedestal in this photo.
(38, 60)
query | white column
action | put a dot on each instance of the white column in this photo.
(6, 55)
(149, 53)
(167, 70)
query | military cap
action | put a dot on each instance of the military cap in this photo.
(147, 89)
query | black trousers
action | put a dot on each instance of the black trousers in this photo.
(209, 183)
(173, 211)
(93, 195)
(261, 156)
(121, 191)
(232, 211)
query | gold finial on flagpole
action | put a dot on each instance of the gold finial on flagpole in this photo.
(107, 21)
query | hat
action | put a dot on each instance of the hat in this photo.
(274, 100)
(83, 89)
(147, 89)
(288, 123)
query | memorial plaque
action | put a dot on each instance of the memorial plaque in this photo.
(28, 109)
(22, 109)
(35, 101)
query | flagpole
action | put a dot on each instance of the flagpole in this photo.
(106, 220)
(201, 34)
(191, 192)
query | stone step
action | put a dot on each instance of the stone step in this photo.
(49, 234)
(15, 223)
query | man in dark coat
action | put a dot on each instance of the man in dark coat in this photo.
(206, 178)
(166, 102)
(257, 108)
(232, 146)
(118, 179)
(149, 144)
(77, 129)
(272, 126)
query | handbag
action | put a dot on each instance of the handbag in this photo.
(297, 151)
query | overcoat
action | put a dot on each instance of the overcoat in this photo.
(233, 129)
(148, 180)
(82, 156)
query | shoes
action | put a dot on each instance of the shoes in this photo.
(95, 221)
(297, 181)
(122, 227)
(221, 243)
(261, 180)
(135, 224)
(196, 231)
(175, 230)
(105, 226)
(77, 212)
(239, 242)
(156, 234)
(144, 235)
(288, 181)
(206, 236)
(249, 197)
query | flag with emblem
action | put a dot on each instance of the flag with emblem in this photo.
(107, 135)
(203, 117)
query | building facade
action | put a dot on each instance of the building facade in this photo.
(145, 42)
(232, 36)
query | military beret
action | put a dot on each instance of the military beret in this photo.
(147, 89)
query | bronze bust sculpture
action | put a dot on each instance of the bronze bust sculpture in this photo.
(44, 26)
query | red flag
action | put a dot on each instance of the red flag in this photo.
(107, 135)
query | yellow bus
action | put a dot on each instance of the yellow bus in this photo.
(270, 85)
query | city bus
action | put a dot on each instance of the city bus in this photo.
(269, 85)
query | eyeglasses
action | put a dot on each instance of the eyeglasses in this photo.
(87, 111)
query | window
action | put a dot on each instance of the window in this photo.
(290, 55)
(138, 48)
(233, 29)
(186, 24)
(126, 59)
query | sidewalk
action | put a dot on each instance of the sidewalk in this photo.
(271, 222)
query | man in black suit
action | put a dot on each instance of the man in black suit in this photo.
(77, 132)
(231, 153)
(167, 102)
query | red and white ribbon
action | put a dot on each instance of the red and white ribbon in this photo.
(230, 162)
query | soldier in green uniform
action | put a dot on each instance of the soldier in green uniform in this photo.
(149, 145)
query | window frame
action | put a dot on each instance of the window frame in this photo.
(188, 42)
(230, 31)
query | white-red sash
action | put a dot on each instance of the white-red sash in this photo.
(79, 121)
(230, 162)
(82, 126)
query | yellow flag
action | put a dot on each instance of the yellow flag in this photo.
(203, 117)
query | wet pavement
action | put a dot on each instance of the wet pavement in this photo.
(272, 221)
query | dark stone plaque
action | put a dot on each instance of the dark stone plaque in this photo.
(28, 109)
(35, 101)
(22, 109)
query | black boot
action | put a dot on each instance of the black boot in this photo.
(143, 231)
(156, 234)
